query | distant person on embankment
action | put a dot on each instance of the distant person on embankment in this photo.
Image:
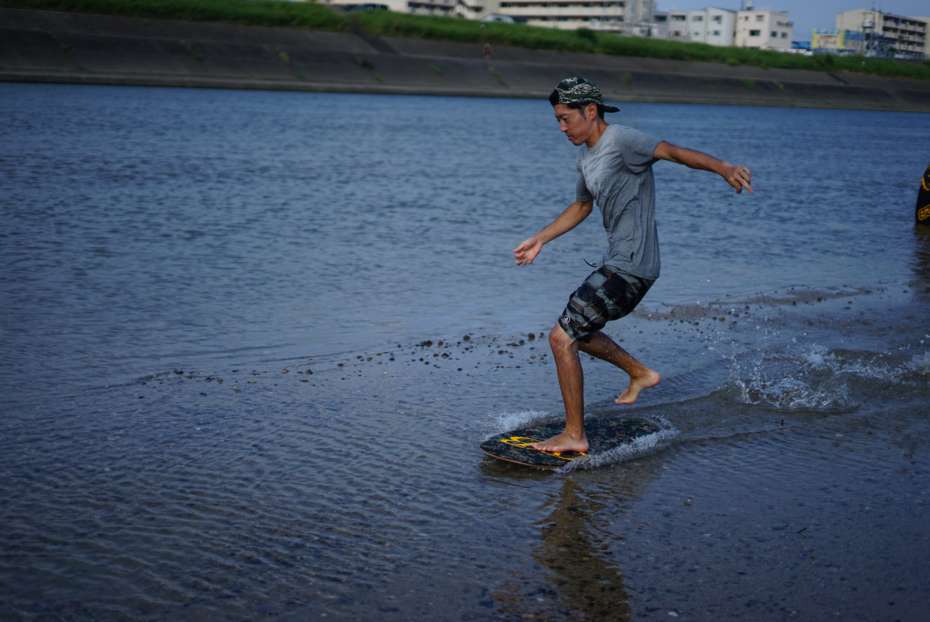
(615, 171)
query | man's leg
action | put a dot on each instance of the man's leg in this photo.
(571, 382)
(606, 349)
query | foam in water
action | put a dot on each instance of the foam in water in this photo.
(821, 380)
(639, 447)
(808, 381)
(795, 394)
(920, 363)
(507, 421)
(904, 370)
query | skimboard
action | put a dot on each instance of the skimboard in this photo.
(604, 433)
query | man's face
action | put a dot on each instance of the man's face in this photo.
(576, 123)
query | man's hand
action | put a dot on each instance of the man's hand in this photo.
(738, 176)
(526, 252)
(567, 220)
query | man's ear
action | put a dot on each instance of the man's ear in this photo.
(590, 112)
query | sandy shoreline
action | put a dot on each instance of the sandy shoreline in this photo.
(45, 46)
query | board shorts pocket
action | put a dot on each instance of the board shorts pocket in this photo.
(607, 294)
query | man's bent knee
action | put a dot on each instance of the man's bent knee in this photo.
(559, 340)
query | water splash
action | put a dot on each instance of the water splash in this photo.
(920, 364)
(639, 447)
(818, 379)
(507, 421)
(803, 382)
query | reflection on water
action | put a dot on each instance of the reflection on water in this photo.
(577, 550)
(583, 582)
(588, 581)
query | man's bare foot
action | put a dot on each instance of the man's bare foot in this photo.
(563, 442)
(637, 384)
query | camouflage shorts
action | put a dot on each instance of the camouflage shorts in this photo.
(604, 296)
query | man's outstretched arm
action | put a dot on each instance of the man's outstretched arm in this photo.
(736, 175)
(526, 252)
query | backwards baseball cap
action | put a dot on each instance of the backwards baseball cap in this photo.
(578, 90)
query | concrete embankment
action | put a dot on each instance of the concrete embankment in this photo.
(46, 46)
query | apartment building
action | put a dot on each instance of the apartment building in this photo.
(656, 27)
(484, 10)
(745, 28)
(711, 25)
(887, 34)
(927, 38)
(620, 16)
(764, 30)
(417, 7)
(677, 26)
(605, 15)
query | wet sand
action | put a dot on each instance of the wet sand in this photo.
(790, 484)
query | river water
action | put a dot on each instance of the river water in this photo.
(251, 342)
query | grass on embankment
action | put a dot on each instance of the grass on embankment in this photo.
(314, 16)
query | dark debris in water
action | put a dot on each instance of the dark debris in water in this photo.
(716, 309)
(723, 326)
(468, 354)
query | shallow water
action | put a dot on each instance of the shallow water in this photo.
(252, 341)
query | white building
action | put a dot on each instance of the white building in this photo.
(927, 39)
(677, 28)
(484, 10)
(903, 37)
(711, 25)
(657, 27)
(417, 7)
(621, 16)
(607, 15)
(764, 30)
(641, 11)
(601, 15)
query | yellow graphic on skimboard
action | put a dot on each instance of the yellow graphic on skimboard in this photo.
(525, 442)
(604, 434)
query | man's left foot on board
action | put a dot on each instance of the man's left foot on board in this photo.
(563, 442)
(646, 381)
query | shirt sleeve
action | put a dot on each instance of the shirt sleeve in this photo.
(638, 150)
(582, 194)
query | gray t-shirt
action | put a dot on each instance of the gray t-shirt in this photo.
(617, 175)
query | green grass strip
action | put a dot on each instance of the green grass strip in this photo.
(385, 23)
(250, 12)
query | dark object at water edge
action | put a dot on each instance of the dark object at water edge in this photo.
(922, 211)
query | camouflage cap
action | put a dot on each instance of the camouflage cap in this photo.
(578, 90)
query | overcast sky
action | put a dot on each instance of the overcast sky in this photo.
(808, 14)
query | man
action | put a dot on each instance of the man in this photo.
(615, 171)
